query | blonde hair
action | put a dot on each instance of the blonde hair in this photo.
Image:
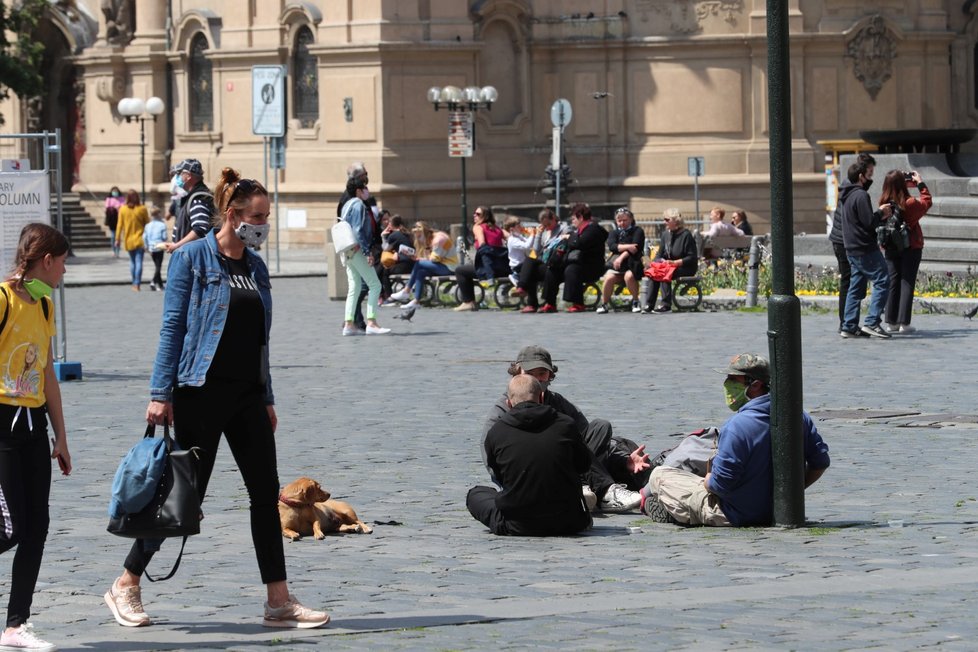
(423, 235)
(510, 222)
(717, 209)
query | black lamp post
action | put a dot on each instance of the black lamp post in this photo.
(467, 100)
(133, 107)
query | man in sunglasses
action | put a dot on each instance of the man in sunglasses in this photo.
(196, 209)
(737, 489)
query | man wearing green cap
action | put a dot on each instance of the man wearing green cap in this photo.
(738, 489)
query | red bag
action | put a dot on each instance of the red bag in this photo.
(660, 271)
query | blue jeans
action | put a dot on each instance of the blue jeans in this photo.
(136, 265)
(422, 270)
(869, 267)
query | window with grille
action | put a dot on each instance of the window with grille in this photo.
(305, 89)
(201, 93)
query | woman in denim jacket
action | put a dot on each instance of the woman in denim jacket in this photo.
(211, 377)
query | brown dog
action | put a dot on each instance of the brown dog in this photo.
(305, 508)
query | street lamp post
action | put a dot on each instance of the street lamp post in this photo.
(133, 107)
(462, 103)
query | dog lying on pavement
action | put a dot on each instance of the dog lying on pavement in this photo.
(305, 509)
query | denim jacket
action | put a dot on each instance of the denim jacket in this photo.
(195, 307)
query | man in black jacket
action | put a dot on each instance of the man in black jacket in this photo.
(859, 222)
(838, 245)
(538, 455)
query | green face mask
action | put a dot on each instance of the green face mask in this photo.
(37, 288)
(735, 393)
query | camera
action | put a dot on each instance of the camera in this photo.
(908, 176)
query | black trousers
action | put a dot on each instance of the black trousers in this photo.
(903, 269)
(237, 410)
(384, 274)
(609, 465)
(845, 273)
(481, 503)
(158, 264)
(654, 293)
(574, 276)
(465, 278)
(532, 272)
(25, 485)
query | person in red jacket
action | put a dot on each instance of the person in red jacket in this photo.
(903, 265)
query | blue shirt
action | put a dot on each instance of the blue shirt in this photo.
(195, 307)
(154, 234)
(742, 475)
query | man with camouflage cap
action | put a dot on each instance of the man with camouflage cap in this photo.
(738, 489)
(196, 209)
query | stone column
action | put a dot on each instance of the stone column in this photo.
(150, 24)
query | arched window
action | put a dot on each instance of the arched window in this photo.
(305, 89)
(201, 86)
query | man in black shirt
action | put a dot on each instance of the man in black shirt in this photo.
(196, 209)
(538, 455)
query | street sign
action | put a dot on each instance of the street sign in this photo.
(268, 100)
(697, 166)
(561, 113)
(555, 152)
(460, 134)
(277, 156)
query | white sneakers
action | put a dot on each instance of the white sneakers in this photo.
(590, 499)
(126, 605)
(620, 498)
(23, 638)
(401, 296)
(293, 614)
(377, 330)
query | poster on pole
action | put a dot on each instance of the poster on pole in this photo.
(460, 140)
(25, 197)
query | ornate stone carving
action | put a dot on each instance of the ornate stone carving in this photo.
(872, 50)
(687, 16)
(120, 20)
(112, 88)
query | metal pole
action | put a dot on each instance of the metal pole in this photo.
(753, 263)
(465, 205)
(784, 309)
(63, 326)
(264, 154)
(560, 167)
(278, 252)
(696, 193)
(142, 158)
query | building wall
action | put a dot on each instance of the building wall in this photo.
(651, 83)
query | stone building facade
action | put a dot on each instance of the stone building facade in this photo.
(651, 83)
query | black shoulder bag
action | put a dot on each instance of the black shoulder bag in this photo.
(174, 510)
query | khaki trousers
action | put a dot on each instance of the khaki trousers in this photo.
(683, 495)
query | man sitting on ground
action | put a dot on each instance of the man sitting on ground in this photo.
(620, 466)
(538, 456)
(738, 488)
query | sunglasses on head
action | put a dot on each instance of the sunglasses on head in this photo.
(246, 187)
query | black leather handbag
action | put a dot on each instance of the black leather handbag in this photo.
(174, 510)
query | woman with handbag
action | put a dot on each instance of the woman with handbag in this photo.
(583, 263)
(29, 398)
(359, 261)
(211, 377)
(678, 250)
(112, 204)
(904, 264)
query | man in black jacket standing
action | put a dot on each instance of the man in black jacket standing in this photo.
(859, 222)
(538, 455)
(838, 244)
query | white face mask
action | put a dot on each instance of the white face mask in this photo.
(253, 235)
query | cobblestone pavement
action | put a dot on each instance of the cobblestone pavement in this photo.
(392, 425)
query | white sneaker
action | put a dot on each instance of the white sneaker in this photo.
(352, 330)
(590, 499)
(403, 295)
(907, 328)
(636, 307)
(293, 614)
(413, 303)
(892, 328)
(23, 638)
(377, 330)
(619, 498)
(126, 605)
(603, 309)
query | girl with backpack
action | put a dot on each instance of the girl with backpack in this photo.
(30, 398)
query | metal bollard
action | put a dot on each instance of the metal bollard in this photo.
(753, 264)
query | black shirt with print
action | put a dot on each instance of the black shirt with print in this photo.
(239, 353)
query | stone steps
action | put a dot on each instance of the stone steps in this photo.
(85, 231)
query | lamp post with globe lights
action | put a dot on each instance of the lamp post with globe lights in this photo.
(133, 107)
(462, 104)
